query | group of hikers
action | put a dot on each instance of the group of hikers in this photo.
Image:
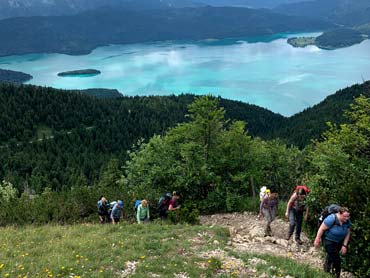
(333, 226)
(334, 223)
(112, 212)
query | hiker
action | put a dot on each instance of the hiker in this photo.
(116, 213)
(173, 204)
(269, 206)
(294, 212)
(335, 234)
(142, 212)
(264, 192)
(103, 210)
(163, 204)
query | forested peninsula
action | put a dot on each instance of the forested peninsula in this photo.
(329, 40)
(14, 76)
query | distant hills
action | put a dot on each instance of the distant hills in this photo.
(25, 8)
(341, 12)
(350, 18)
(79, 34)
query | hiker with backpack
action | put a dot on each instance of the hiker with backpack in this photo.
(142, 212)
(173, 204)
(163, 203)
(264, 192)
(117, 213)
(103, 210)
(269, 206)
(296, 211)
(334, 232)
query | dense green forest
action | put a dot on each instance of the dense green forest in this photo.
(81, 33)
(51, 136)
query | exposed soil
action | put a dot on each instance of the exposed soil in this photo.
(247, 235)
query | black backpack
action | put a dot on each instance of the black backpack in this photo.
(326, 212)
(164, 200)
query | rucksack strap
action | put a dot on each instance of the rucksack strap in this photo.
(331, 226)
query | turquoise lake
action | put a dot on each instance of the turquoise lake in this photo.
(267, 72)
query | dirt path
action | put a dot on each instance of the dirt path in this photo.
(247, 235)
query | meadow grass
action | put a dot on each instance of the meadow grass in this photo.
(93, 250)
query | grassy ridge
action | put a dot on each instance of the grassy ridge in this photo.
(92, 250)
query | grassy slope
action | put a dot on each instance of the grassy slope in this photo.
(92, 250)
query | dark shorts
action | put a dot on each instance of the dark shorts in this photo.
(103, 213)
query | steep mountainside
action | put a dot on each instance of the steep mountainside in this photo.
(81, 33)
(309, 124)
(346, 12)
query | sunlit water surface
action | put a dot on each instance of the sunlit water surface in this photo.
(267, 71)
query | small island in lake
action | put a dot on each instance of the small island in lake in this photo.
(83, 72)
(14, 76)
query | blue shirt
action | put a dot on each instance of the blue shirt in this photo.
(116, 211)
(336, 232)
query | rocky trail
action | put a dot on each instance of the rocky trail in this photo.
(247, 235)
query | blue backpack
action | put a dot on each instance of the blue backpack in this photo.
(136, 204)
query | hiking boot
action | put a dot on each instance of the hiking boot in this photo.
(288, 237)
(299, 241)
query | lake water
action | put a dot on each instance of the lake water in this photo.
(266, 71)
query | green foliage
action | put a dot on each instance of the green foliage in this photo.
(7, 192)
(213, 163)
(186, 214)
(341, 174)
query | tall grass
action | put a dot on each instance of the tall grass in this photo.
(93, 250)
